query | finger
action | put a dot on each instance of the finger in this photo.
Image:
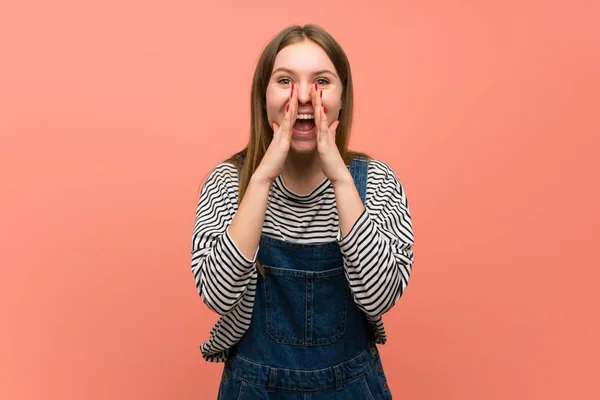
(286, 119)
(333, 129)
(291, 112)
(323, 127)
(293, 106)
(316, 103)
(324, 124)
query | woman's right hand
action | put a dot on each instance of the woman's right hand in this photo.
(276, 154)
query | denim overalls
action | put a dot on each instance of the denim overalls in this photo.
(307, 339)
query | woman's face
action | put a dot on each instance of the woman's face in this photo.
(303, 64)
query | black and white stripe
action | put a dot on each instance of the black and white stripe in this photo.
(377, 253)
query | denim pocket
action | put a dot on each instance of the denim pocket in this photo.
(375, 383)
(231, 387)
(304, 307)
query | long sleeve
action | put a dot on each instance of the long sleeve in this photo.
(221, 271)
(377, 252)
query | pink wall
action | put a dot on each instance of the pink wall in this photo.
(112, 114)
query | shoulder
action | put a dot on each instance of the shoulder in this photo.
(380, 167)
(382, 178)
(222, 176)
(378, 170)
(224, 171)
(373, 164)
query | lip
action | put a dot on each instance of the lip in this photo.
(309, 133)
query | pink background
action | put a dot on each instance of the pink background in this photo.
(112, 113)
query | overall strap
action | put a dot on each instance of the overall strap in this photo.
(359, 168)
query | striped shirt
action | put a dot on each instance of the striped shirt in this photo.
(377, 252)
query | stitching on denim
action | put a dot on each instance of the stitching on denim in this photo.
(365, 386)
(314, 246)
(242, 390)
(296, 341)
(308, 283)
(303, 273)
(361, 354)
(351, 378)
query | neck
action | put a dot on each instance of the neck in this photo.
(302, 169)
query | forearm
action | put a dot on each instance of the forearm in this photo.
(246, 227)
(222, 273)
(378, 270)
(377, 250)
(349, 205)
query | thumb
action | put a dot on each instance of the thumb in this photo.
(333, 126)
(275, 127)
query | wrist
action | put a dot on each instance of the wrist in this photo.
(343, 181)
(259, 180)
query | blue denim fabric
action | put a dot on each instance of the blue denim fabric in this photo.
(307, 338)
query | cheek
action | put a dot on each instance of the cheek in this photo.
(275, 101)
(271, 112)
(333, 99)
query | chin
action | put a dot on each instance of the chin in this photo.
(303, 147)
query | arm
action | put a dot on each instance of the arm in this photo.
(246, 227)
(349, 205)
(377, 249)
(225, 239)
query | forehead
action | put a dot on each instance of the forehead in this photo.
(305, 56)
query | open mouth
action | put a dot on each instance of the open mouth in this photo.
(305, 123)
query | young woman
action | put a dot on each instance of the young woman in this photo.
(300, 244)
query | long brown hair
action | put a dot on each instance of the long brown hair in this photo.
(248, 159)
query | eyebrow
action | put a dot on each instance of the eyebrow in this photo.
(289, 71)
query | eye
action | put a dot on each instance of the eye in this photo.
(285, 81)
(322, 81)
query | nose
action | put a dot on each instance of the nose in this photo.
(304, 93)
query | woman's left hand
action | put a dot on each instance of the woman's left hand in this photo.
(332, 163)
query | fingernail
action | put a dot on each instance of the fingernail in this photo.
(321, 94)
(316, 86)
(287, 108)
(324, 109)
(292, 93)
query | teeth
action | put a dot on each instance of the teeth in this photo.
(305, 116)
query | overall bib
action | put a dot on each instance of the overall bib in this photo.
(307, 338)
